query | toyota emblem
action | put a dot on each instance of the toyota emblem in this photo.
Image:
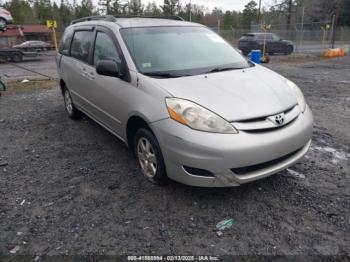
(279, 119)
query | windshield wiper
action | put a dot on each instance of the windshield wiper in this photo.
(164, 75)
(220, 69)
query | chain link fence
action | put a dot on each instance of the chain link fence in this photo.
(307, 37)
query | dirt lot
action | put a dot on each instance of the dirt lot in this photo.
(71, 188)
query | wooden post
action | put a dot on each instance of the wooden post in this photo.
(55, 38)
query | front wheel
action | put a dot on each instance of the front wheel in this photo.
(72, 112)
(149, 157)
(2, 23)
(289, 50)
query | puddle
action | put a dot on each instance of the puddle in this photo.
(337, 155)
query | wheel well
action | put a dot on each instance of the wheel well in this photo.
(134, 124)
(62, 85)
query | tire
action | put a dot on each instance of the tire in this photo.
(3, 23)
(16, 57)
(150, 160)
(289, 50)
(71, 110)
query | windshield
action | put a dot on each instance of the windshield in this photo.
(180, 51)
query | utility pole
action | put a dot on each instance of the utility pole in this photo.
(335, 22)
(302, 26)
(259, 12)
(289, 16)
(190, 11)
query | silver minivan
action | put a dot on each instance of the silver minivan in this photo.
(190, 106)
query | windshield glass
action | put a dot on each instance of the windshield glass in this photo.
(180, 50)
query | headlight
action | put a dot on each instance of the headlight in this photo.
(299, 95)
(190, 114)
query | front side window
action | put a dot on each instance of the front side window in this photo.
(180, 50)
(81, 44)
(105, 49)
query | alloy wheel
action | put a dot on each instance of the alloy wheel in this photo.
(146, 157)
(68, 102)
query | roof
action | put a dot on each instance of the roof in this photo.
(20, 30)
(28, 29)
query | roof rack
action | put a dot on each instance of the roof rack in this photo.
(109, 18)
(169, 17)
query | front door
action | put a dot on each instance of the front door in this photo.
(109, 95)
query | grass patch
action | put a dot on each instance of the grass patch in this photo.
(32, 85)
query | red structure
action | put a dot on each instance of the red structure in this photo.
(16, 34)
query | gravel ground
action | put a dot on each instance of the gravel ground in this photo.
(44, 64)
(71, 188)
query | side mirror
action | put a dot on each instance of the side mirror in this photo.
(2, 86)
(108, 68)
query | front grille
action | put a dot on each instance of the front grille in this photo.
(265, 123)
(269, 129)
(249, 169)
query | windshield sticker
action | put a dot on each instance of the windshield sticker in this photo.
(146, 65)
(215, 38)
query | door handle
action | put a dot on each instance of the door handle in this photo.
(83, 72)
(91, 75)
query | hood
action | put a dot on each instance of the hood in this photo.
(235, 95)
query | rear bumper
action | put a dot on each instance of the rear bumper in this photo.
(220, 154)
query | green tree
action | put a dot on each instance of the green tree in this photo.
(152, 9)
(170, 7)
(85, 9)
(135, 7)
(115, 8)
(21, 11)
(43, 10)
(250, 13)
(65, 14)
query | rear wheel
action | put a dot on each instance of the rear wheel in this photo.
(16, 57)
(149, 156)
(72, 112)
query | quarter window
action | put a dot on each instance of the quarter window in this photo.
(105, 49)
(65, 42)
(81, 45)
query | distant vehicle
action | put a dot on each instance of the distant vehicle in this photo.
(5, 17)
(274, 43)
(34, 45)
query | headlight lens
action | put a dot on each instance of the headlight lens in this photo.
(190, 114)
(299, 95)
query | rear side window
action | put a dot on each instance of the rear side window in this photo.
(247, 37)
(81, 44)
(65, 42)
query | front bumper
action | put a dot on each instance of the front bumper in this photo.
(221, 153)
